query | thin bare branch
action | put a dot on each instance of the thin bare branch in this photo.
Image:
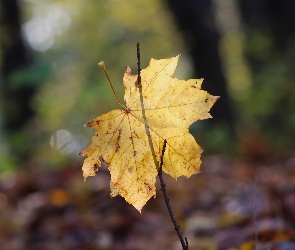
(183, 241)
(159, 167)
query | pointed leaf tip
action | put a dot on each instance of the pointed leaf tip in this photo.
(121, 138)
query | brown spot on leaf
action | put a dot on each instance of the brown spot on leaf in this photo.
(118, 140)
(109, 139)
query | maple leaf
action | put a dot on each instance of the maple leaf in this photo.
(121, 139)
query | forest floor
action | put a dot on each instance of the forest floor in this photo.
(232, 204)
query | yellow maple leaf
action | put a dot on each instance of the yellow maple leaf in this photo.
(121, 138)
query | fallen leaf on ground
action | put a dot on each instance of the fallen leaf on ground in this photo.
(165, 109)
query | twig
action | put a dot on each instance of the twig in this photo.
(159, 167)
(147, 130)
(138, 65)
(255, 212)
(183, 241)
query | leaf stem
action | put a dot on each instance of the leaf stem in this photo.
(183, 241)
(103, 67)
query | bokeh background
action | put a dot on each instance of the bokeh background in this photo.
(51, 84)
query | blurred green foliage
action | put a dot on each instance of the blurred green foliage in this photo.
(269, 109)
(69, 38)
(73, 88)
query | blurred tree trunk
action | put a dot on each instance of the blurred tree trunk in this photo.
(16, 109)
(272, 17)
(274, 21)
(196, 21)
